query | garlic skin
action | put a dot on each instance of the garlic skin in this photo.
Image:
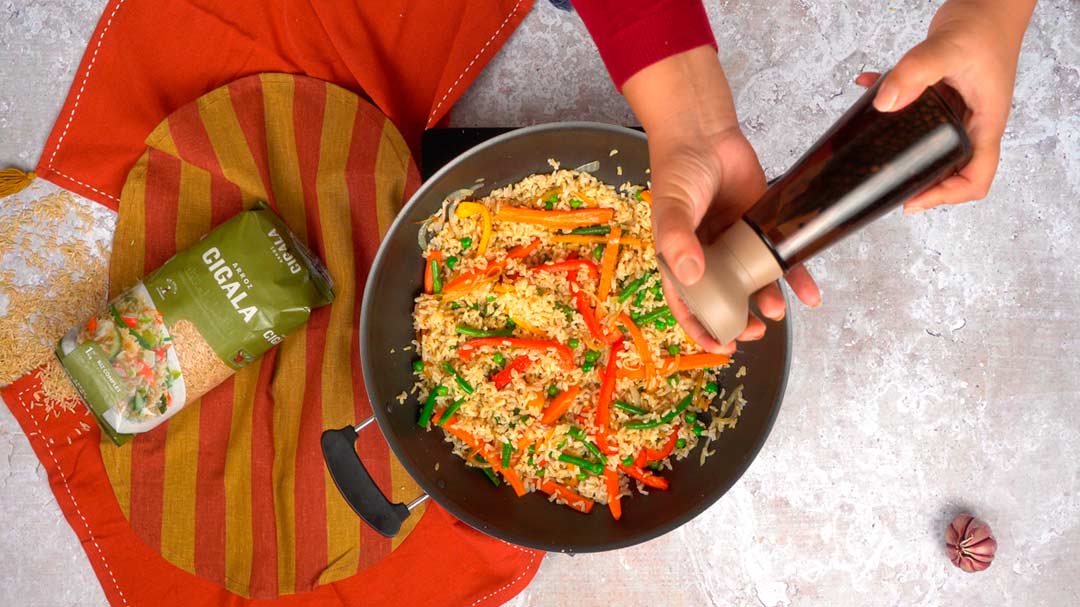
(969, 543)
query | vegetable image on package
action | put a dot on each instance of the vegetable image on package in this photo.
(205, 313)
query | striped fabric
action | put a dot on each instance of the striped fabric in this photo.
(233, 489)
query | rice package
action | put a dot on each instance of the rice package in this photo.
(204, 314)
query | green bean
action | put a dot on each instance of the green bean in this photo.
(576, 433)
(450, 411)
(418, 366)
(640, 299)
(466, 386)
(625, 406)
(474, 332)
(506, 450)
(632, 288)
(591, 231)
(429, 407)
(654, 315)
(582, 475)
(436, 280)
(491, 476)
(666, 418)
(581, 463)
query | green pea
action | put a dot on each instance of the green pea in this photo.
(672, 350)
(441, 390)
(711, 388)
(561, 444)
(660, 325)
(588, 367)
(592, 356)
(673, 380)
(490, 298)
(418, 366)
(628, 461)
(638, 196)
(549, 205)
(532, 449)
(654, 465)
(598, 251)
(576, 204)
(679, 444)
(553, 391)
(455, 305)
(466, 242)
(573, 343)
(698, 429)
(691, 417)
(499, 359)
(540, 473)
(530, 461)
(553, 198)
(451, 262)
(541, 291)
(582, 475)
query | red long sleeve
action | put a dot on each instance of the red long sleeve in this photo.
(634, 34)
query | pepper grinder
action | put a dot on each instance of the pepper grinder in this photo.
(866, 164)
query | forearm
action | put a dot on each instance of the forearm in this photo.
(1008, 18)
(682, 93)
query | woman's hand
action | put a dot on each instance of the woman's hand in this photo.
(701, 162)
(973, 45)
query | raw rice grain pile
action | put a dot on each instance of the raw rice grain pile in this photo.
(548, 355)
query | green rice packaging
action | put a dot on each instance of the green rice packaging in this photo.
(196, 320)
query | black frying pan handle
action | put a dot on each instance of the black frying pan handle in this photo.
(357, 486)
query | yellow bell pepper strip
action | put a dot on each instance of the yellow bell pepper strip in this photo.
(575, 501)
(466, 350)
(469, 209)
(556, 220)
(611, 483)
(591, 239)
(559, 406)
(607, 268)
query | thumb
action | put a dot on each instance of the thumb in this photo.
(675, 240)
(921, 67)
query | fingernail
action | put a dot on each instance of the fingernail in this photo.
(818, 304)
(688, 270)
(886, 97)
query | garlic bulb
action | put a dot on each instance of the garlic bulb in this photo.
(970, 543)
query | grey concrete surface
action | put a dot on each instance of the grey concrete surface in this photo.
(939, 375)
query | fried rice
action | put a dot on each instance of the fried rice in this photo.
(516, 332)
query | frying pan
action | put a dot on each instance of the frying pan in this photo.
(531, 521)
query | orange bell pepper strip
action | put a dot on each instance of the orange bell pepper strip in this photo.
(509, 474)
(690, 362)
(468, 280)
(646, 195)
(571, 267)
(646, 478)
(429, 277)
(575, 501)
(524, 250)
(607, 268)
(611, 482)
(559, 406)
(603, 401)
(503, 378)
(578, 218)
(466, 350)
(642, 346)
(629, 241)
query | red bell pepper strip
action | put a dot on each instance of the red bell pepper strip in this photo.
(666, 450)
(559, 406)
(603, 401)
(466, 350)
(647, 479)
(130, 321)
(523, 250)
(519, 364)
(570, 265)
(91, 325)
(611, 481)
(575, 501)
